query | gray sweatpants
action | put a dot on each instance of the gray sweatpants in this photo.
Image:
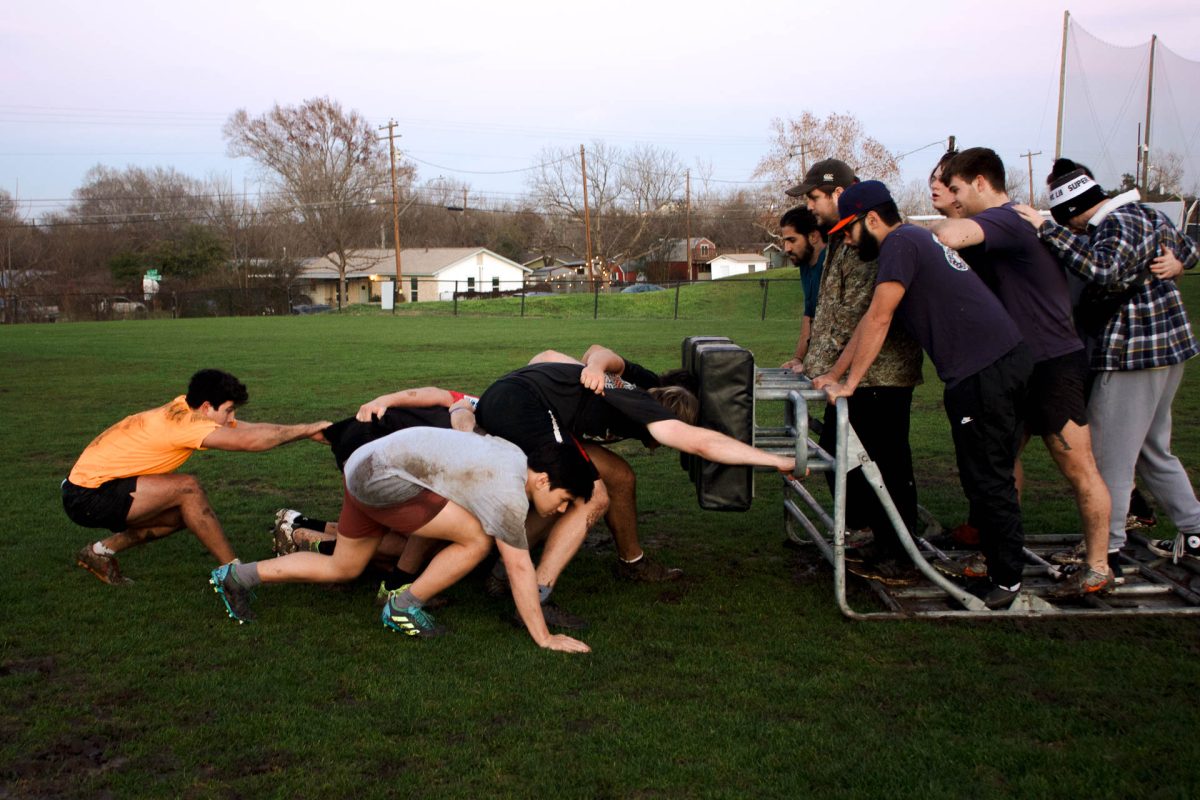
(1129, 414)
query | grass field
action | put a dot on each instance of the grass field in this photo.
(742, 680)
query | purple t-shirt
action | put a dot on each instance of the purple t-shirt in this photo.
(945, 307)
(1029, 281)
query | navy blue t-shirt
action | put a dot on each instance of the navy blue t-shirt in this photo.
(946, 307)
(1029, 281)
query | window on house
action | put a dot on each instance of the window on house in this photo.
(412, 290)
(470, 284)
(496, 284)
(703, 249)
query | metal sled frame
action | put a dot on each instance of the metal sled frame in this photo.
(1152, 586)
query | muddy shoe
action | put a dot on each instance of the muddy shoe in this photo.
(646, 570)
(235, 596)
(282, 534)
(890, 571)
(103, 567)
(496, 587)
(1075, 555)
(972, 567)
(1081, 581)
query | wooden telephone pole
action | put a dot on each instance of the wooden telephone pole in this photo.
(397, 291)
(1029, 161)
(587, 219)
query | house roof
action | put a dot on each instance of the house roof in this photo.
(414, 262)
(741, 258)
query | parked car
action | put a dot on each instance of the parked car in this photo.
(638, 288)
(122, 305)
(310, 308)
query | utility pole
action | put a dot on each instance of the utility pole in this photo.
(397, 292)
(1029, 160)
(587, 219)
(687, 217)
(803, 153)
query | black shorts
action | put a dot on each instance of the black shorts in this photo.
(106, 506)
(1056, 394)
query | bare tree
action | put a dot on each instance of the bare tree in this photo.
(326, 166)
(1166, 174)
(799, 143)
(629, 193)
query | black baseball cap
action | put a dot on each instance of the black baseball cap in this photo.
(823, 173)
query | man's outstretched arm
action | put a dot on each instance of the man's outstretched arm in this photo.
(259, 436)
(714, 446)
(424, 397)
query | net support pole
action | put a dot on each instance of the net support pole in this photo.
(1149, 105)
(1062, 84)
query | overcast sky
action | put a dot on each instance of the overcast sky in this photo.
(482, 87)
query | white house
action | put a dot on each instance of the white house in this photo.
(427, 273)
(737, 264)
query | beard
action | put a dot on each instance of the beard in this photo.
(868, 246)
(800, 259)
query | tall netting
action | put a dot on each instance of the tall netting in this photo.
(1105, 93)
(1175, 124)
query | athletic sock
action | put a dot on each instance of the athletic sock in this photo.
(325, 546)
(407, 600)
(247, 575)
(397, 578)
(101, 549)
(544, 593)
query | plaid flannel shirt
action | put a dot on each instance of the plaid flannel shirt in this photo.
(1151, 329)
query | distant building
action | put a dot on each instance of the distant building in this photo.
(427, 273)
(732, 264)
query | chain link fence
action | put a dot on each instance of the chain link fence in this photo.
(704, 299)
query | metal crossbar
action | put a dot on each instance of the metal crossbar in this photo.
(1151, 586)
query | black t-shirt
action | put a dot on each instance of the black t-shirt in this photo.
(622, 413)
(347, 435)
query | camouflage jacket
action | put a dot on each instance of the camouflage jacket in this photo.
(847, 285)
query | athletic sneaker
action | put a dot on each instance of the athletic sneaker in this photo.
(1184, 545)
(496, 587)
(970, 567)
(103, 567)
(1083, 581)
(646, 570)
(993, 596)
(381, 598)
(411, 621)
(235, 596)
(285, 526)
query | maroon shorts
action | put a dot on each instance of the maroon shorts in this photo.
(358, 521)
